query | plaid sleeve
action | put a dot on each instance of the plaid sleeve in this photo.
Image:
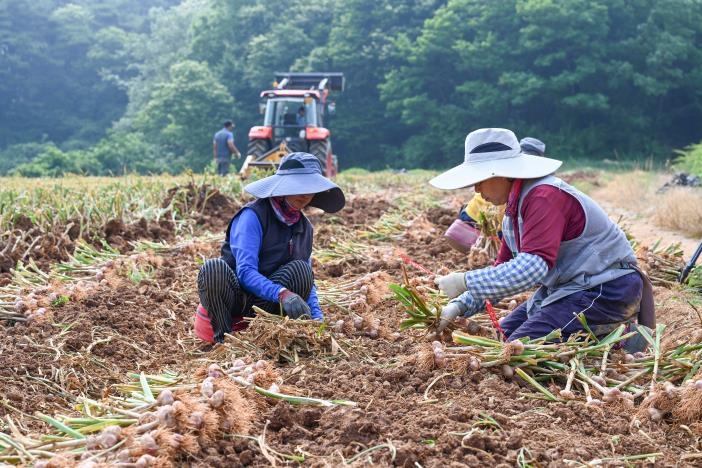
(518, 275)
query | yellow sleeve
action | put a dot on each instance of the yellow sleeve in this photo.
(478, 204)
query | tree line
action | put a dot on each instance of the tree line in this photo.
(117, 86)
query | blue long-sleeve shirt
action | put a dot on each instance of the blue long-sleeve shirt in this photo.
(245, 238)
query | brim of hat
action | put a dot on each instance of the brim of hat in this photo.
(524, 166)
(328, 196)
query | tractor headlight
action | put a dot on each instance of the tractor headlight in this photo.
(302, 134)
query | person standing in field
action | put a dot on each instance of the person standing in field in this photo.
(465, 230)
(223, 147)
(266, 254)
(555, 238)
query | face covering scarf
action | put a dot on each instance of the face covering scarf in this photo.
(286, 213)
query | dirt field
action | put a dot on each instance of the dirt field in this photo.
(405, 414)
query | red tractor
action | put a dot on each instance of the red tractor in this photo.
(294, 114)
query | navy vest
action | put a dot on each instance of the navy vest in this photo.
(281, 243)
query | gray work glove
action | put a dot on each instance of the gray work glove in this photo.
(449, 312)
(452, 284)
(293, 305)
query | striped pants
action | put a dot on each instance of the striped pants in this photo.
(226, 302)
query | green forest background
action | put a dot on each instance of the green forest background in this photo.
(118, 86)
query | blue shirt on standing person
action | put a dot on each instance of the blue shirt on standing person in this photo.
(223, 147)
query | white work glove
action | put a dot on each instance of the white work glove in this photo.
(452, 284)
(448, 315)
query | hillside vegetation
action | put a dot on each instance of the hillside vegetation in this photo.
(119, 86)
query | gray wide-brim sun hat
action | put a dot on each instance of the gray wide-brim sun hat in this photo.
(494, 152)
(300, 174)
(533, 146)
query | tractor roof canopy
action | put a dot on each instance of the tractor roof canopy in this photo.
(332, 81)
(290, 93)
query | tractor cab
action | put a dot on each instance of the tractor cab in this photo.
(294, 114)
(289, 117)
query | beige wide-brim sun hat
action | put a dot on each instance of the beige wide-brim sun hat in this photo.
(494, 152)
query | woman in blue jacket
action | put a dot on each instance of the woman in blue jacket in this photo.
(266, 255)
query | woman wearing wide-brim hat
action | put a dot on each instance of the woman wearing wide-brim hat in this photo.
(266, 254)
(465, 230)
(554, 237)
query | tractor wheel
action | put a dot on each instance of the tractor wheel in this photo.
(257, 148)
(322, 150)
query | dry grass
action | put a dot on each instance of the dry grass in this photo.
(281, 339)
(680, 209)
(680, 311)
(634, 191)
(670, 217)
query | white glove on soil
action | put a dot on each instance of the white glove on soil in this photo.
(452, 284)
(448, 314)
